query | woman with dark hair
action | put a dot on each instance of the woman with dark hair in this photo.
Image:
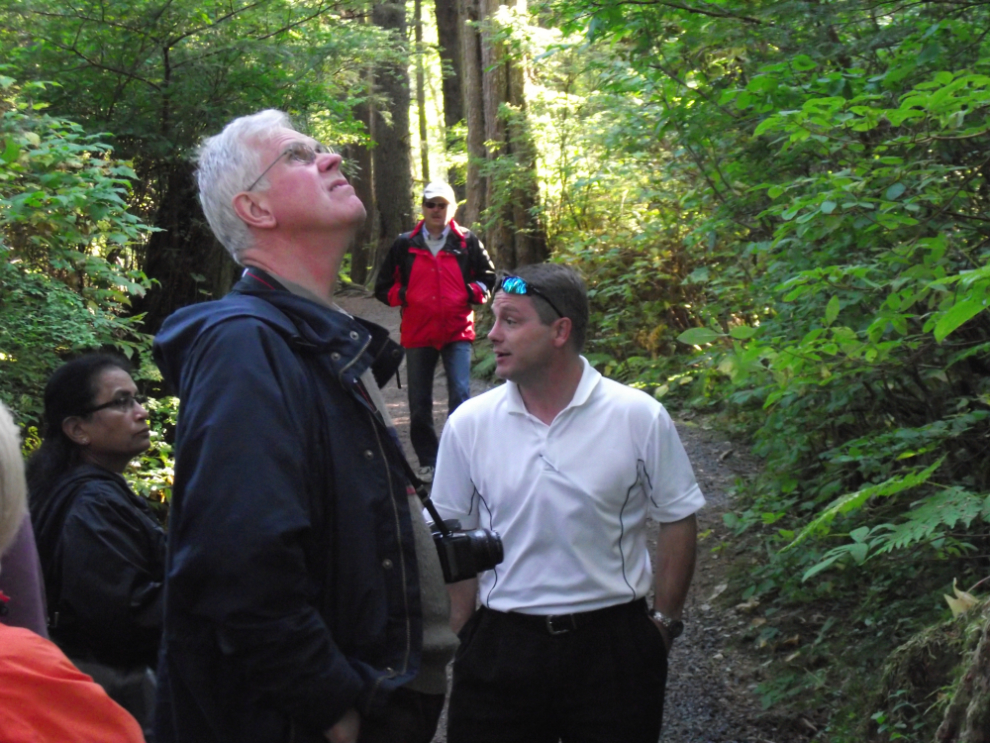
(102, 550)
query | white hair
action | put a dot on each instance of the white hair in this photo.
(13, 487)
(227, 164)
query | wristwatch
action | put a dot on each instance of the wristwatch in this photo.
(673, 626)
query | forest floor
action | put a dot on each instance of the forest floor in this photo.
(713, 672)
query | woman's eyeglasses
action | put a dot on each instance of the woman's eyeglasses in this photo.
(122, 404)
(297, 152)
(516, 285)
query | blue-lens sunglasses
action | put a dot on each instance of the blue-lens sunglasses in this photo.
(516, 285)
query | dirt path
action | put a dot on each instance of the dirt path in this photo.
(711, 684)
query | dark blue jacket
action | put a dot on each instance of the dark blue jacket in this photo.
(292, 588)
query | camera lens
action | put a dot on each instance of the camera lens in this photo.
(486, 548)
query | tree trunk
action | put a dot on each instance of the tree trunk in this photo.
(188, 263)
(450, 28)
(515, 236)
(474, 110)
(362, 181)
(530, 243)
(424, 142)
(393, 178)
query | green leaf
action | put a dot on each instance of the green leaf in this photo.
(894, 191)
(959, 314)
(832, 310)
(742, 332)
(699, 336)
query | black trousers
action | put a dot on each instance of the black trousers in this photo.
(514, 682)
(409, 717)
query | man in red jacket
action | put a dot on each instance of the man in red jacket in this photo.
(435, 273)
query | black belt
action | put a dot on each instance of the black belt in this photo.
(559, 624)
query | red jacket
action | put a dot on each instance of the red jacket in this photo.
(436, 292)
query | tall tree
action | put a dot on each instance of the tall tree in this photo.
(361, 176)
(470, 14)
(392, 162)
(510, 186)
(424, 141)
(451, 21)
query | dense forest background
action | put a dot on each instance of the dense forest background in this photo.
(781, 209)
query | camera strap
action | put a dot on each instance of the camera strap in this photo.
(420, 487)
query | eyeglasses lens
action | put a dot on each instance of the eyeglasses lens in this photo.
(434, 205)
(297, 152)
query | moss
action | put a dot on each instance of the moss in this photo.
(921, 676)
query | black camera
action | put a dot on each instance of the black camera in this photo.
(464, 554)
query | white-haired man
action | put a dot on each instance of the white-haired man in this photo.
(435, 273)
(296, 565)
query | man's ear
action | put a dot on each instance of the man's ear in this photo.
(75, 428)
(253, 210)
(561, 331)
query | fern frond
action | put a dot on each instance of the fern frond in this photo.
(942, 510)
(819, 526)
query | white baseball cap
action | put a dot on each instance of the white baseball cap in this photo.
(439, 189)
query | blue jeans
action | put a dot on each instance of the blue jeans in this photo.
(420, 366)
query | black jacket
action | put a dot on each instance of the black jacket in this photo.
(293, 590)
(103, 557)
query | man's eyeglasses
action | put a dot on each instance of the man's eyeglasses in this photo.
(435, 205)
(122, 404)
(516, 285)
(297, 152)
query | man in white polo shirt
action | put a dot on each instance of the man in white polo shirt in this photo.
(567, 466)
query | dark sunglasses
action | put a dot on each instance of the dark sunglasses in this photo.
(122, 404)
(516, 285)
(297, 152)
(434, 204)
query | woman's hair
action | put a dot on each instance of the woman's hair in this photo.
(70, 391)
(13, 503)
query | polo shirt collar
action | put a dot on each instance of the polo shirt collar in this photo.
(589, 381)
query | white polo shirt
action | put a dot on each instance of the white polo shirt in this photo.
(570, 500)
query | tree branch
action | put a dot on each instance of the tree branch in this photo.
(678, 6)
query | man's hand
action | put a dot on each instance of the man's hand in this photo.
(347, 728)
(664, 633)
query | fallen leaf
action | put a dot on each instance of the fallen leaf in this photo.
(962, 602)
(718, 591)
(747, 606)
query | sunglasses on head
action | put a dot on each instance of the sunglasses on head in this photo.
(434, 204)
(297, 152)
(516, 285)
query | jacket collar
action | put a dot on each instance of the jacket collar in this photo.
(455, 229)
(352, 345)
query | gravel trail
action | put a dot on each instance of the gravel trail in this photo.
(711, 684)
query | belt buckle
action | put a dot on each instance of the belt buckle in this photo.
(551, 619)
